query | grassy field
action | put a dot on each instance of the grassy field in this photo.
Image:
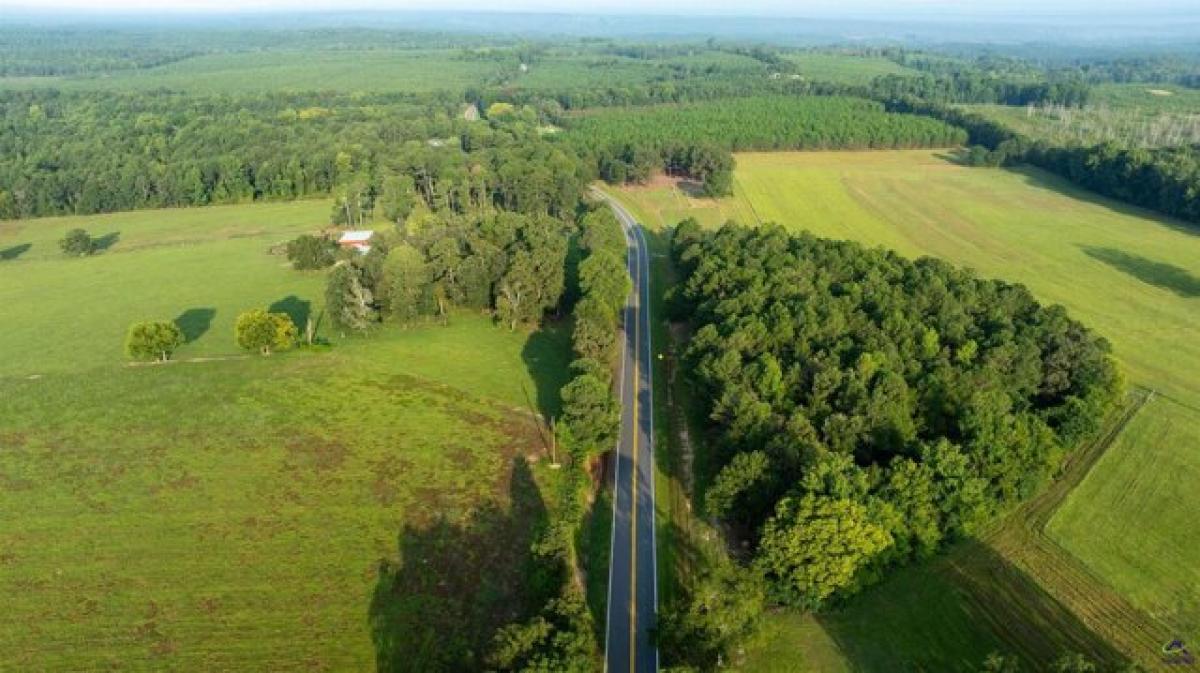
(1145, 480)
(1126, 126)
(591, 71)
(1149, 98)
(1133, 277)
(417, 70)
(70, 314)
(282, 70)
(1139, 115)
(845, 68)
(305, 511)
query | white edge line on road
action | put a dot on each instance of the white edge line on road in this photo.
(617, 472)
(653, 499)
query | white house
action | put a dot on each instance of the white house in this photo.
(358, 240)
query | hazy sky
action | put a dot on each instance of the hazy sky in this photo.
(743, 7)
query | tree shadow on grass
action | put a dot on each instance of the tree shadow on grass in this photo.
(547, 356)
(950, 613)
(195, 322)
(11, 253)
(957, 156)
(457, 581)
(1159, 274)
(102, 243)
(296, 308)
(1043, 179)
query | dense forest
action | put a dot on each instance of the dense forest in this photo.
(629, 145)
(163, 149)
(867, 409)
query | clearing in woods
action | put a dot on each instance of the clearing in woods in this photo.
(219, 514)
(1132, 276)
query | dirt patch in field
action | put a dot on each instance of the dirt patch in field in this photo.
(389, 473)
(316, 454)
(12, 483)
(13, 440)
(1160, 92)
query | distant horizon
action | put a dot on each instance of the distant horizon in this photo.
(858, 10)
(923, 24)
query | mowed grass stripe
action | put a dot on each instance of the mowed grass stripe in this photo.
(1130, 517)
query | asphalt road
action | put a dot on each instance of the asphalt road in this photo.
(633, 573)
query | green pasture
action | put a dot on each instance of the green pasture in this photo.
(1129, 518)
(284, 70)
(200, 266)
(1149, 98)
(845, 68)
(591, 71)
(1129, 274)
(329, 509)
(1127, 126)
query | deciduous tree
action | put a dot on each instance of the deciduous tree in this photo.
(154, 339)
(814, 546)
(77, 243)
(258, 330)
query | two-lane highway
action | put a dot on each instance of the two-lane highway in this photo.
(633, 571)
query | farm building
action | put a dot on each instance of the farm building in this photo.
(358, 240)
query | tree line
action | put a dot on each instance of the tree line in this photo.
(561, 637)
(64, 154)
(160, 149)
(975, 87)
(865, 410)
(629, 145)
(1163, 179)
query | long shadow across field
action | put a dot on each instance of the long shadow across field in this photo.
(457, 581)
(1159, 274)
(296, 308)
(1045, 180)
(102, 243)
(951, 613)
(547, 356)
(195, 322)
(10, 253)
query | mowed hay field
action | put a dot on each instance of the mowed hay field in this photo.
(314, 510)
(1133, 277)
(389, 70)
(845, 68)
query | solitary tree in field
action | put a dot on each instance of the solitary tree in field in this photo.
(265, 332)
(77, 243)
(156, 339)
